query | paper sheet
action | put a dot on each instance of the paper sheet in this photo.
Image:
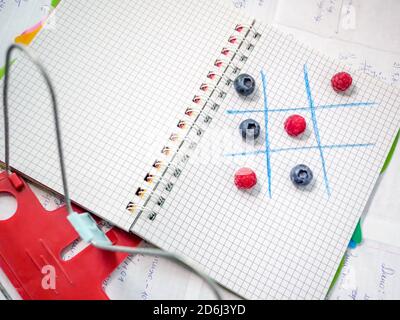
(115, 125)
(379, 63)
(382, 220)
(145, 278)
(15, 17)
(379, 58)
(371, 272)
(264, 10)
(373, 23)
(207, 219)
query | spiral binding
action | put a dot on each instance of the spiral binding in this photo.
(166, 170)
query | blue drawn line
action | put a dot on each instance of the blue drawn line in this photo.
(326, 106)
(267, 145)
(347, 105)
(235, 154)
(243, 111)
(315, 127)
(332, 146)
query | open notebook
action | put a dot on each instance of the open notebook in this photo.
(150, 122)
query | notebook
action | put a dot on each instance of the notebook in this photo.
(150, 123)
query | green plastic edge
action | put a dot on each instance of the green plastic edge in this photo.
(3, 70)
(391, 152)
(337, 274)
(54, 3)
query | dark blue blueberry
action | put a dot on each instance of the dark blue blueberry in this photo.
(249, 129)
(244, 84)
(301, 175)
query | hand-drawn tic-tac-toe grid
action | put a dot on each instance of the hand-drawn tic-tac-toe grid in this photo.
(313, 109)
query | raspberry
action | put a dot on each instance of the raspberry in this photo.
(295, 125)
(341, 81)
(245, 178)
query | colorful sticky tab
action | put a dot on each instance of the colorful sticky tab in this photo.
(357, 235)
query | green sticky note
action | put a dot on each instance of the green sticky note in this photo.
(54, 3)
(357, 235)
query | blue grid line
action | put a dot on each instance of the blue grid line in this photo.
(315, 127)
(332, 146)
(326, 106)
(267, 146)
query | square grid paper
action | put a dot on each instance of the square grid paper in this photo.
(124, 73)
(278, 241)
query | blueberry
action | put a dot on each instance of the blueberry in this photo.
(249, 129)
(244, 84)
(301, 175)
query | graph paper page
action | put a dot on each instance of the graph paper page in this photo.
(124, 73)
(278, 241)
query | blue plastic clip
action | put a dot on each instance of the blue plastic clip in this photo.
(88, 229)
(352, 244)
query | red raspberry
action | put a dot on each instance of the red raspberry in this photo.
(295, 125)
(245, 178)
(341, 81)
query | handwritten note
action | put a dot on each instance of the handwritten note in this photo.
(142, 277)
(2, 5)
(347, 20)
(48, 200)
(371, 272)
(264, 10)
(378, 63)
(390, 74)
(240, 3)
(324, 8)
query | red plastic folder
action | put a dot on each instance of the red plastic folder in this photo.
(32, 241)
